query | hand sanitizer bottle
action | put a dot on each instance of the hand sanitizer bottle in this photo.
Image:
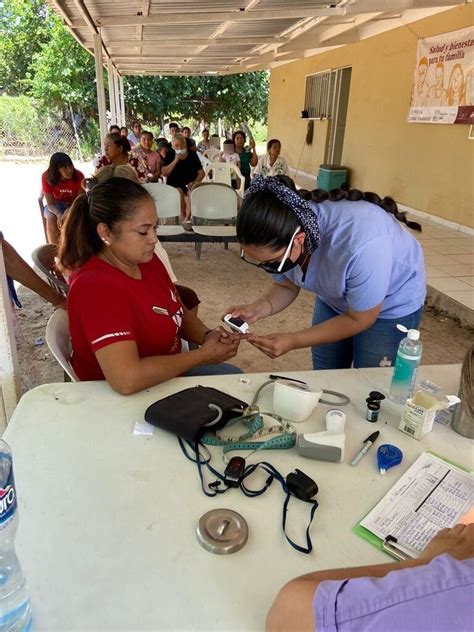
(406, 366)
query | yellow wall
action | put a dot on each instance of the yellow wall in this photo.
(426, 166)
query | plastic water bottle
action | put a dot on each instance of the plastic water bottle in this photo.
(406, 365)
(15, 612)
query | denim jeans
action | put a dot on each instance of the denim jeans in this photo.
(213, 369)
(374, 347)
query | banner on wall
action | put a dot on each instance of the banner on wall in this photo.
(443, 83)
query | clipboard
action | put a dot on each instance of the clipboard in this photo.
(390, 543)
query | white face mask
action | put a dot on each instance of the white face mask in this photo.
(180, 152)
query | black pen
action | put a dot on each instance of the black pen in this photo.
(367, 443)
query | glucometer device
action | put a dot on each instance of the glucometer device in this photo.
(237, 324)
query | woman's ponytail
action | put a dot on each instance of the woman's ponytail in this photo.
(79, 238)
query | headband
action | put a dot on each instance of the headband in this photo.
(299, 207)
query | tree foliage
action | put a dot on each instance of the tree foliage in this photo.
(64, 73)
(24, 26)
(40, 58)
(237, 97)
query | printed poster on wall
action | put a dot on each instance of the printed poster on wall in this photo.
(443, 83)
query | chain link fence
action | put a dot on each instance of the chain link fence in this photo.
(28, 133)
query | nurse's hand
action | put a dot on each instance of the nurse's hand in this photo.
(252, 312)
(273, 345)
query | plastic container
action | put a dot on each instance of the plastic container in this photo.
(406, 366)
(15, 612)
(331, 177)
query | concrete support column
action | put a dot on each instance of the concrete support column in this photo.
(111, 82)
(118, 114)
(99, 78)
(122, 101)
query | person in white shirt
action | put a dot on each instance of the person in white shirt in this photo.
(134, 135)
(229, 155)
(272, 164)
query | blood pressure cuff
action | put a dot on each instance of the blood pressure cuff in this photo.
(192, 412)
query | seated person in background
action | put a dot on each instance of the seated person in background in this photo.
(248, 156)
(117, 152)
(183, 170)
(18, 270)
(149, 160)
(174, 129)
(114, 129)
(124, 131)
(125, 316)
(163, 148)
(433, 592)
(60, 184)
(134, 135)
(191, 143)
(205, 143)
(230, 156)
(272, 164)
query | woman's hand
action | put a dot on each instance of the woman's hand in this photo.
(252, 144)
(252, 312)
(218, 347)
(273, 345)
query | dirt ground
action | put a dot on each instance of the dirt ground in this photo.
(221, 280)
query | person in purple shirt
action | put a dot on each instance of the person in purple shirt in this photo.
(434, 592)
(353, 251)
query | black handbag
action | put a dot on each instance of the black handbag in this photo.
(192, 412)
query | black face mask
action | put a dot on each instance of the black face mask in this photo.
(272, 268)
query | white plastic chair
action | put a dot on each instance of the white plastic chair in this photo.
(217, 204)
(212, 154)
(44, 260)
(222, 172)
(204, 161)
(59, 342)
(168, 204)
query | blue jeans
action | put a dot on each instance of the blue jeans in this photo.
(374, 347)
(213, 369)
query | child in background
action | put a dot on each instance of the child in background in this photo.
(231, 157)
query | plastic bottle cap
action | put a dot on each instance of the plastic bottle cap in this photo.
(413, 334)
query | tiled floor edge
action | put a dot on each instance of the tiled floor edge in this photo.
(435, 218)
(443, 302)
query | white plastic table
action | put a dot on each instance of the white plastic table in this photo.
(108, 519)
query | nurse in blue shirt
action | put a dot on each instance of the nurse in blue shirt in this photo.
(353, 251)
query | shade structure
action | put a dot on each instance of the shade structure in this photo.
(216, 37)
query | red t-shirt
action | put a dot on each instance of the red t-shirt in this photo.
(107, 306)
(65, 190)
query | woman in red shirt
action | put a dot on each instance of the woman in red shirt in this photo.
(60, 184)
(125, 315)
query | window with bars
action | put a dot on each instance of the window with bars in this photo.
(319, 94)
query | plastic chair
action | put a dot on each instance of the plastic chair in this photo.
(168, 204)
(204, 161)
(212, 154)
(43, 258)
(222, 172)
(43, 218)
(59, 343)
(216, 205)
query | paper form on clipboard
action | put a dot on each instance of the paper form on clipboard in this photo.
(432, 494)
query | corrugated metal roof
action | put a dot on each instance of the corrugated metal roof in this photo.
(225, 36)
